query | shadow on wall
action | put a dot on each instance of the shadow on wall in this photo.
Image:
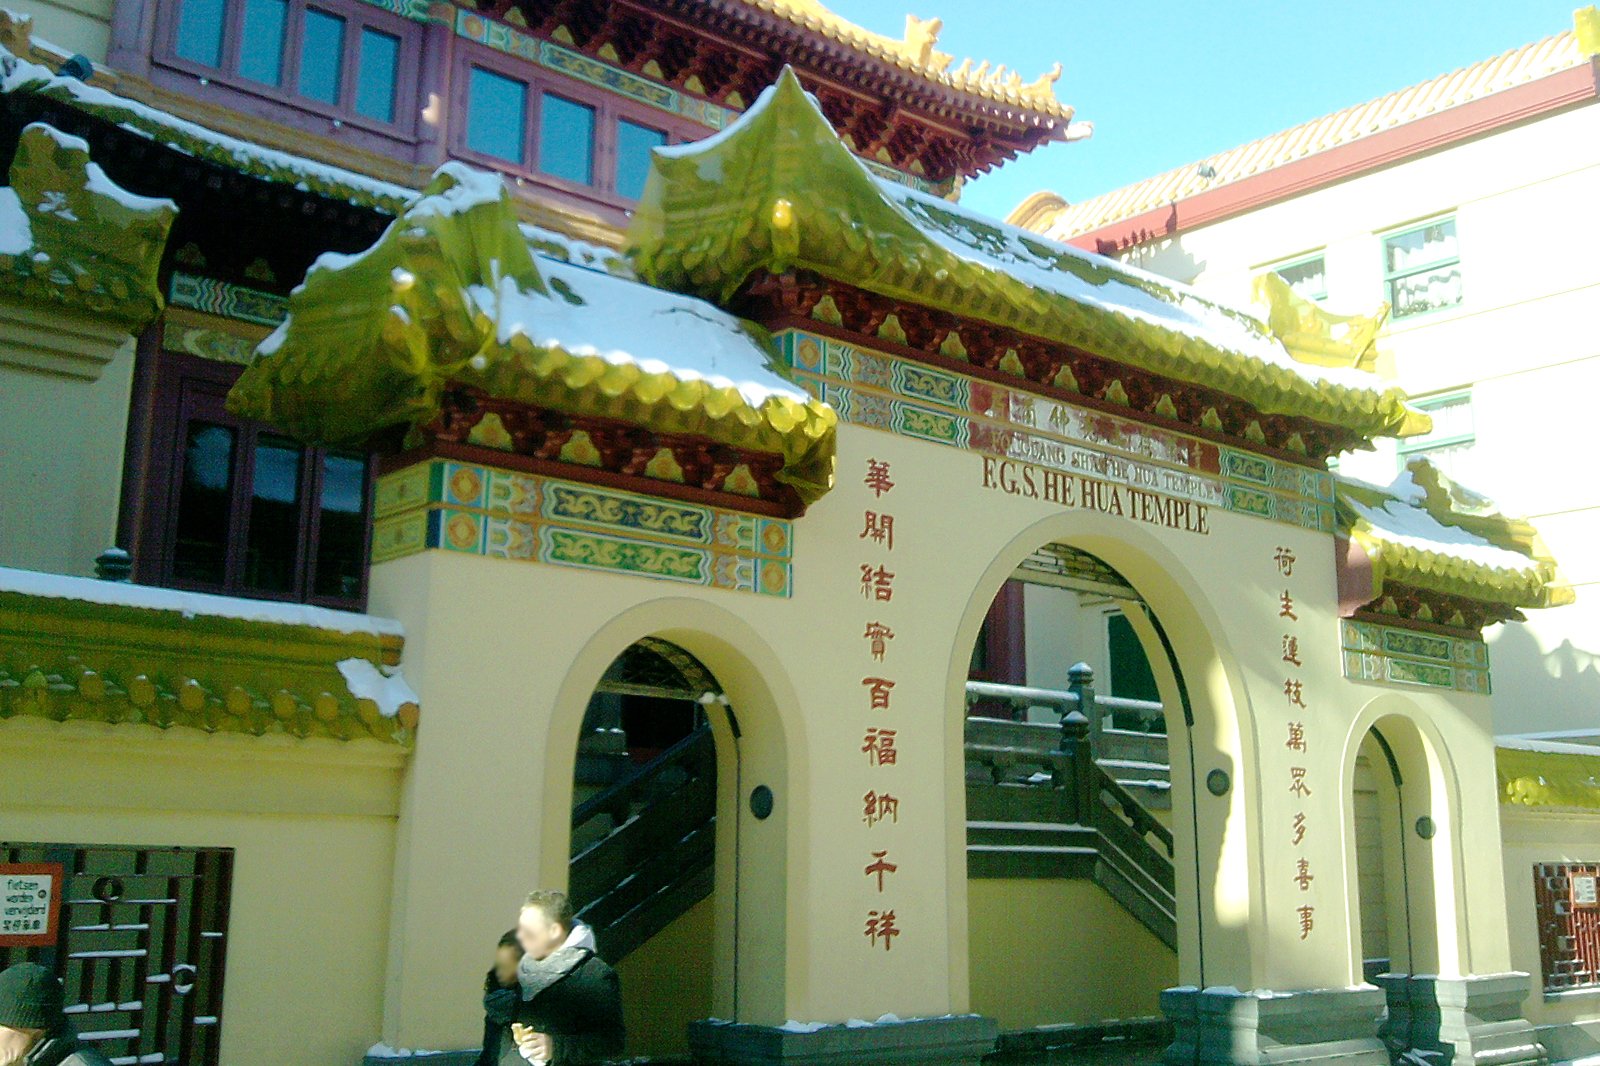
(1162, 254)
(1538, 691)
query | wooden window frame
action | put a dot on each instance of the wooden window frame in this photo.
(356, 16)
(609, 108)
(178, 389)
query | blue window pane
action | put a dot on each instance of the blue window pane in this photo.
(261, 47)
(633, 156)
(322, 56)
(200, 31)
(496, 115)
(566, 140)
(375, 73)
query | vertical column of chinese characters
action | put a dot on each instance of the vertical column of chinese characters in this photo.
(1294, 694)
(880, 808)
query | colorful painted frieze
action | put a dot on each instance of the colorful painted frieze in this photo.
(1397, 656)
(902, 396)
(480, 510)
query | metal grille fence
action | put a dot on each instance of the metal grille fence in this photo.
(143, 937)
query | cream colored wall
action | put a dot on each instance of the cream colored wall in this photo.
(1060, 630)
(1045, 952)
(505, 655)
(64, 391)
(667, 983)
(313, 826)
(1539, 836)
(1524, 340)
(82, 26)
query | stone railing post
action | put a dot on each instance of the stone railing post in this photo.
(1080, 682)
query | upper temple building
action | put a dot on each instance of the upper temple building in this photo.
(447, 452)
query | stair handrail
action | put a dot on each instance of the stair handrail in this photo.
(613, 796)
(1114, 798)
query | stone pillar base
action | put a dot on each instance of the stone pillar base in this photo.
(1226, 1027)
(1460, 1021)
(952, 1041)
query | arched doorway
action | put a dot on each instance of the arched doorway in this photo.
(644, 835)
(1400, 841)
(1398, 827)
(1072, 897)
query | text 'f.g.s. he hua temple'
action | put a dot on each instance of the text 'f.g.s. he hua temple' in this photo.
(587, 446)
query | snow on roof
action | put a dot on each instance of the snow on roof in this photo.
(777, 190)
(16, 235)
(192, 604)
(19, 76)
(1555, 747)
(1402, 519)
(660, 332)
(1115, 288)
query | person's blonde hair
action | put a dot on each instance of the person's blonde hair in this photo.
(555, 906)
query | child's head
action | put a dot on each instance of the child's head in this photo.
(506, 957)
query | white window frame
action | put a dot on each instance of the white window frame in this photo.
(1310, 257)
(1419, 447)
(1390, 277)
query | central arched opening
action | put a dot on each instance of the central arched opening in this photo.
(1072, 896)
(644, 835)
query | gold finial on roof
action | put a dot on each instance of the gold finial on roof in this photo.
(1586, 26)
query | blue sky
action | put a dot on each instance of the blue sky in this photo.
(1167, 82)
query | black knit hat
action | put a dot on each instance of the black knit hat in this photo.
(30, 997)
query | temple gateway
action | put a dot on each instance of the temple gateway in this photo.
(589, 446)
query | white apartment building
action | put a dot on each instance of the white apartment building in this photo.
(1468, 204)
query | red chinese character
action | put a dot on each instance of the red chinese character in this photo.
(879, 867)
(880, 807)
(877, 478)
(879, 688)
(1297, 783)
(1291, 689)
(1297, 736)
(881, 925)
(1286, 607)
(877, 583)
(879, 746)
(879, 529)
(1291, 650)
(879, 635)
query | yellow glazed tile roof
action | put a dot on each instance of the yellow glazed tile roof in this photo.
(917, 54)
(1542, 774)
(455, 291)
(1049, 214)
(79, 649)
(1425, 531)
(777, 190)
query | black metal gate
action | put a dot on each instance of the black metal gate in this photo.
(143, 935)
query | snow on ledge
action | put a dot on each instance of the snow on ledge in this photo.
(1553, 747)
(384, 1051)
(381, 685)
(193, 604)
